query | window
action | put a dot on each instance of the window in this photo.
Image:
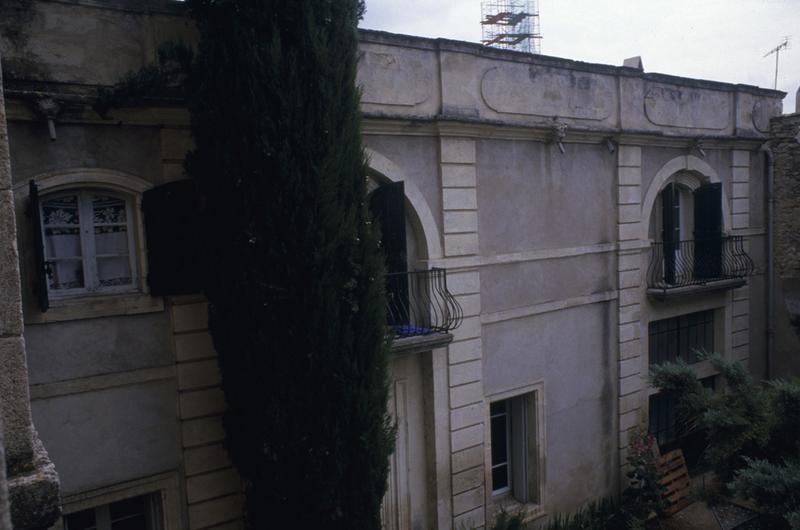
(689, 225)
(88, 238)
(681, 337)
(663, 426)
(514, 448)
(136, 513)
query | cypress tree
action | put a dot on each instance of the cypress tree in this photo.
(292, 271)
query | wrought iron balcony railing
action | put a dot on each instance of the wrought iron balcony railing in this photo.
(698, 262)
(418, 303)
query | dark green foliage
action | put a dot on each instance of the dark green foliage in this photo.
(738, 422)
(605, 514)
(774, 487)
(507, 521)
(644, 494)
(753, 432)
(166, 79)
(294, 273)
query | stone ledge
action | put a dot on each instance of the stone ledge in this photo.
(663, 294)
(421, 343)
(34, 495)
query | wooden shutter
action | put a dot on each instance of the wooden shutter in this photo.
(708, 231)
(387, 205)
(171, 229)
(41, 266)
(671, 229)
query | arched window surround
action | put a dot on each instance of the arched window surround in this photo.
(690, 171)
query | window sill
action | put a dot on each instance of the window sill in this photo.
(529, 511)
(97, 306)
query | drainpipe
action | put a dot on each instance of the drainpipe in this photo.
(769, 162)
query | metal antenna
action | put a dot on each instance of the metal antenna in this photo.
(777, 51)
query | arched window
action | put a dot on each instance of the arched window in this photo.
(687, 225)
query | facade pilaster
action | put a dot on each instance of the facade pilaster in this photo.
(630, 277)
(465, 356)
(740, 221)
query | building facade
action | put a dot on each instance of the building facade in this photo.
(589, 220)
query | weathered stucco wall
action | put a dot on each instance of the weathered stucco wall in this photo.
(532, 197)
(109, 436)
(86, 42)
(546, 247)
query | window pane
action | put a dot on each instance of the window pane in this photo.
(108, 210)
(83, 520)
(500, 477)
(112, 272)
(62, 242)
(111, 239)
(65, 274)
(61, 211)
(127, 507)
(499, 440)
(61, 222)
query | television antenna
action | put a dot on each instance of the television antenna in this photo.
(777, 51)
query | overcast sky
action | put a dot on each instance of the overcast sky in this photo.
(722, 40)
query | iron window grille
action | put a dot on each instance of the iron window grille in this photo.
(681, 337)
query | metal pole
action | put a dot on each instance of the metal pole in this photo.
(777, 54)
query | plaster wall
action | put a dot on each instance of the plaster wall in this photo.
(418, 157)
(84, 348)
(521, 284)
(87, 42)
(532, 197)
(130, 149)
(480, 83)
(110, 436)
(579, 371)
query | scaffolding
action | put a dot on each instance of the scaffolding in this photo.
(511, 24)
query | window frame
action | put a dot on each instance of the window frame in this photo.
(706, 319)
(103, 520)
(166, 485)
(96, 304)
(505, 499)
(89, 256)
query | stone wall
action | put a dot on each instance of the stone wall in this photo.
(785, 145)
(32, 481)
(785, 134)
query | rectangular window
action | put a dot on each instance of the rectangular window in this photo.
(88, 242)
(681, 337)
(514, 447)
(136, 513)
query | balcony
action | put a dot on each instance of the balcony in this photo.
(697, 265)
(418, 304)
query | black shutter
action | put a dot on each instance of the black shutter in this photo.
(708, 231)
(41, 272)
(671, 229)
(171, 229)
(387, 205)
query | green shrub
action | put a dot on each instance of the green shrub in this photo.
(605, 514)
(506, 521)
(753, 432)
(775, 488)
